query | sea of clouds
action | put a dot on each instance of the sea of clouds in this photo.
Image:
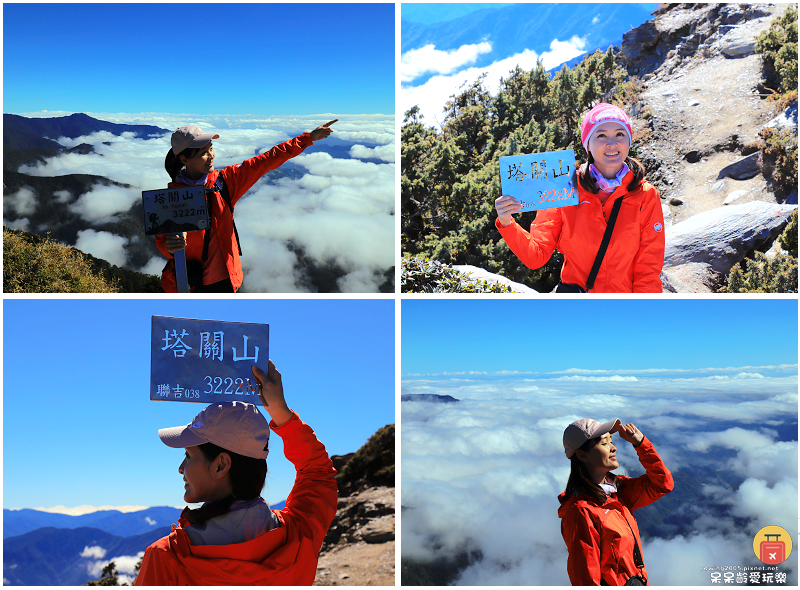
(484, 473)
(444, 72)
(341, 211)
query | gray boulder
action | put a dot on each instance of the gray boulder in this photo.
(742, 169)
(723, 236)
(640, 39)
(737, 47)
(692, 277)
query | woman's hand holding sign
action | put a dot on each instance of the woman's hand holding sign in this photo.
(630, 433)
(506, 206)
(322, 131)
(270, 390)
(176, 242)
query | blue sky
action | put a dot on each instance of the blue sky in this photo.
(444, 46)
(276, 59)
(606, 334)
(79, 427)
(428, 13)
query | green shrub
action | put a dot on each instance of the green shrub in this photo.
(778, 46)
(421, 275)
(47, 267)
(788, 239)
(768, 275)
(779, 157)
(372, 464)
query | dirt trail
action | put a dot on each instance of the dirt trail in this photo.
(710, 105)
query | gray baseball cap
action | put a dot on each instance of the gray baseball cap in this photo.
(235, 426)
(190, 136)
(577, 433)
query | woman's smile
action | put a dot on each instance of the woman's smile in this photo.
(609, 146)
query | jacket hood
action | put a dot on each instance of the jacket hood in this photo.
(566, 503)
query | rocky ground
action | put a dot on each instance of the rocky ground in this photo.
(360, 547)
(706, 105)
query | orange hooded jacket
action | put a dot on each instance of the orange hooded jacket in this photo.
(599, 541)
(239, 179)
(285, 556)
(635, 255)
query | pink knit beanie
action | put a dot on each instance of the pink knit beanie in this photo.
(604, 113)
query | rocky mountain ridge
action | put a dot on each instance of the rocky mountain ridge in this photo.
(359, 549)
(702, 106)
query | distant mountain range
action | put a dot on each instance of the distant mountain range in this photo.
(427, 397)
(44, 548)
(123, 524)
(22, 132)
(52, 557)
(31, 141)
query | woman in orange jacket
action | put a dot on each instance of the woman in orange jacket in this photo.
(213, 256)
(234, 539)
(596, 511)
(635, 254)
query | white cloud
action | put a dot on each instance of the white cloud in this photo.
(433, 94)
(340, 212)
(273, 270)
(150, 521)
(124, 564)
(22, 223)
(428, 59)
(615, 378)
(23, 202)
(755, 499)
(154, 266)
(102, 203)
(102, 244)
(383, 152)
(361, 281)
(95, 552)
(62, 196)
(85, 509)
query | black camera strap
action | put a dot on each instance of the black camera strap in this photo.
(601, 253)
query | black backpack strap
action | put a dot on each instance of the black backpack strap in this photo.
(222, 188)
(603, 244)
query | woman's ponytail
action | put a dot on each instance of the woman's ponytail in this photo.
(172, 165)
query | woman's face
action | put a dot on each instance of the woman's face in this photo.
(602, 457)
(200, 484)
(609, 148)
(201, 164)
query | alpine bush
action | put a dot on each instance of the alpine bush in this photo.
(421, 275)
